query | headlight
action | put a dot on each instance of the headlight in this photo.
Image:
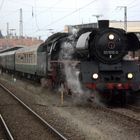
(95, 76)
(129, 75)
(111, 36)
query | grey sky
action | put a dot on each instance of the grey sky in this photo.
(41, 15)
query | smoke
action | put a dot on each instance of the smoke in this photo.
(104, 9)
(72, 78)
(70, 69)
(67, 50)
(44, 83)
(98, 98)
(71, 72)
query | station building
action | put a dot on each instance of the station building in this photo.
(8, 42)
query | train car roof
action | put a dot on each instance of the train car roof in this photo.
(55, 37)
(35, 48)
(12, 49)
(8, 53)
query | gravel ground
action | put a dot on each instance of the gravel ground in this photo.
(129, 112)
(22, 124)
(75, 118)
(2, 135)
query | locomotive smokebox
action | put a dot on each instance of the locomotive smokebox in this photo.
(103, 24)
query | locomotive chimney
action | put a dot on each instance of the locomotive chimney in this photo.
(103, 24)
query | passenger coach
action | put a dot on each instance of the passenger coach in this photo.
(31, 61)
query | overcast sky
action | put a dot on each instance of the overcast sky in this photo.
(39, 16)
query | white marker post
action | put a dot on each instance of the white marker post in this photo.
(62, 94)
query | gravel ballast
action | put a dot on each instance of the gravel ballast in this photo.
(75, 118)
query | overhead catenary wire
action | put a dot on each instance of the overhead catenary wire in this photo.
(35, 15)
(69, 14)
(131, 4)
(1, 5)
(20, 2)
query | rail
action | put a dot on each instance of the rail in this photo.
(135, 108)
(6, 129)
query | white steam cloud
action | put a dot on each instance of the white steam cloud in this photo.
(70, 70)
(104, 9)
(71, 73)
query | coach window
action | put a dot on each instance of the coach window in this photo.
(34, 58)
(21, 58)
(28, 57)
(31, 58)
(25, 57)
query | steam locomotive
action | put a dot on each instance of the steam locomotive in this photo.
(108, 69)
(96, 57)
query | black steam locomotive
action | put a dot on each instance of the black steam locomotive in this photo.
(109, 70)
(97, 56)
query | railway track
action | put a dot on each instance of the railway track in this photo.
(44, 122)
(121, 113)
(134, 108)
(125, 116)
(6, 129)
